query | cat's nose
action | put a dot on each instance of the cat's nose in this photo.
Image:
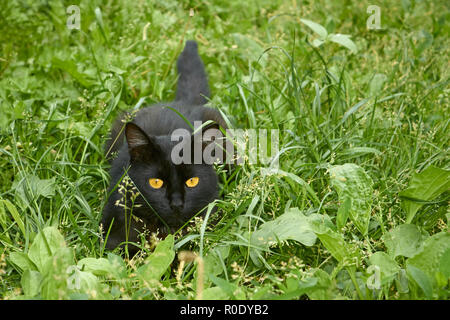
(176, 203)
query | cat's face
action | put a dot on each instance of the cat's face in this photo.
(175, 192)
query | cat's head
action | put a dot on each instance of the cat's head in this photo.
(172, 192)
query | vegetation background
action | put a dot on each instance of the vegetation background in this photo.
(357, 210)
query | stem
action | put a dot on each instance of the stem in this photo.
(351, 272)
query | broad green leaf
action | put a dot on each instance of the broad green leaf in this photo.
(347, 279)
(344, 40)
(296, 288)
(213, 261)
(401, 281)
(31, 282)
(321, 223)
(424, 186)
(388, 267)
(227, 287)
(118, 265)
(444, 265)
(421, 279)
(263, 292)
(214, 293)
(88, 283)
(404, 240)
(55, 275)
(336, 245)
(99, 267)
(292, 225)
(21, 260)
(158, 262)
(428, 260)
(333, 241)
(45, 244)
(343, 212)
(317, 28)
(352, 182)
(30, 187)
(317, 42)
(230, 289)
(323, 289)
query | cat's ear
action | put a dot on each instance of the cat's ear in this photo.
(140, 145)
(214, 143)
(215, 116)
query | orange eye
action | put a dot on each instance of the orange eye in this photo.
(192, 182)
(155, 183)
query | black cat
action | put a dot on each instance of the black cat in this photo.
(161, 195)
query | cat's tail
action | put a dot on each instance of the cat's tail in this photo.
(192, 82)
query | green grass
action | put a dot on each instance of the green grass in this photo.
(383, 109)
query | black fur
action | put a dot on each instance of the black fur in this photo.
(143, 150)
